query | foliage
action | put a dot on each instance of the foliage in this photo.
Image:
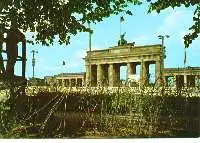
(58, 17)
(36, 82)
(10, 126)
(68, 17)
(195, 28)
(123, 112)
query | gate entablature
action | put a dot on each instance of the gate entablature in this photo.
(120, 54)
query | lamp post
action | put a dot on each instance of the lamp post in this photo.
(89, 60)
(33, 61)
(162, 37)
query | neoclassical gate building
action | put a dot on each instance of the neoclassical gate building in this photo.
(188, 76)
(103, 66)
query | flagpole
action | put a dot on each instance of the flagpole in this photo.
(185, 57)
(90, 48)
(185, 76)
(120, 30)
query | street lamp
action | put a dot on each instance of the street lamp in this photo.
(162, 37)
(33, 61)
(89, 55)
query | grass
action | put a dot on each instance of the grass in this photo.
(50, 112)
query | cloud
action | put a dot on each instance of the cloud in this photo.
(171, 22)
(73, 63)
(154, 13)
(53, 70)
(61, 68)
(96, 48)
(83, 52)
(140, 39)
(80, 54)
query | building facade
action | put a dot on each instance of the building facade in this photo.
(189, 76)
(66, 79)
(103, 66)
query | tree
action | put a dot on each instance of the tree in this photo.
(195, 28)
(57, 17)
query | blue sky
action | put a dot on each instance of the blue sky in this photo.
(141, 28)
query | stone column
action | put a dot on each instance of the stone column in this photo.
(70, 83)
(57, 82)
(76, 82)
(111, 75)
(196, 80)
(129, 70)
(116, 74)
(175, 81)
(147, 76)
(63, 82)
(88, 74)
(143, 73)
(185, 80)
(158, 73)
(67, 82)
(99, 75)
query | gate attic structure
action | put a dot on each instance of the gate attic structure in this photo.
(103, 66)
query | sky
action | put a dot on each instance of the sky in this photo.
(141, 28)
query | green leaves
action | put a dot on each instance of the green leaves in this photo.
(56, 17)
(129, 12)
(194, 29)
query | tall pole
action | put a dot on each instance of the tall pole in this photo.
(120, 28)
(162, 37)
(24, 58)
(33, 61)
(120, 31)
(90, 40)
(89, 60)
(184, 56)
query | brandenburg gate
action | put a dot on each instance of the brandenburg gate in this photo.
(103, 66)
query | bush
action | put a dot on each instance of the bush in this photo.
(126, 112)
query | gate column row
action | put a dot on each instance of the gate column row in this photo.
(112, 73)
